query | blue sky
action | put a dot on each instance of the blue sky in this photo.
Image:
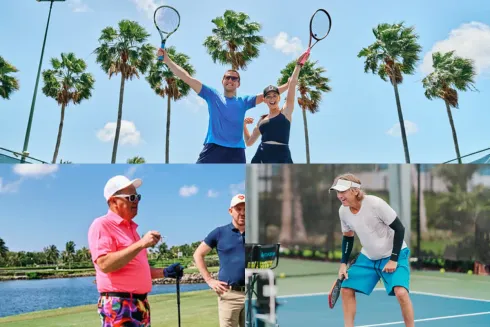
(357, 121)
(53, 204)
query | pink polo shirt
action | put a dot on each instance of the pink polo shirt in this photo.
(111, 233)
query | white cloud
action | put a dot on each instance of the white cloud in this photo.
(79, 6)
(186, 191)
(12, 187)
(285, 44)
(194, 102)
(35, 170)
(237, 188)
(212, 194)
(128, 134)
(471, 40)
(410, 128)
(147, 6)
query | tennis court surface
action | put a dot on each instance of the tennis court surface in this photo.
(439, 299)
(378, 309)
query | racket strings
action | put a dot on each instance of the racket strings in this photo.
(320, 25)
(167, 20)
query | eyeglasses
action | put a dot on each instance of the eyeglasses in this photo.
(130, 197)
(233, 78)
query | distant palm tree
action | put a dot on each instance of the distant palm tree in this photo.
(394, 53)
(67, 82)
(3, 249)
(166, 84)
(136, 160)
(450, 73)
(311, 84)
(123, 52)
(8, 83)
(69, 252)
(234, 40)
(52, 253)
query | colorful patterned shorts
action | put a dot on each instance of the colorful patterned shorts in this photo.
(123, 312)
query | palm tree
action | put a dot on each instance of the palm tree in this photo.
(450, 73)
(311, 84)
(52, 253)
(136, 160)
(124, 52)
(3, 249)
(165, 83)
(8, 84)
(394, 53)
(67, 82)
(234, 40)
(69, 252)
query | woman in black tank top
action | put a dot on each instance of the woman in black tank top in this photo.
(275, 126)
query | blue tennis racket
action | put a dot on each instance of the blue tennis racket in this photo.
(167, 21)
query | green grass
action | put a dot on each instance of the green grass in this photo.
(197, 309)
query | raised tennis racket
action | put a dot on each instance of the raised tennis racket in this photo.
(167, 21)
(320, 26)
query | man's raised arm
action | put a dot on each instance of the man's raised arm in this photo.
(180, 72)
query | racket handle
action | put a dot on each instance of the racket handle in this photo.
(303, 60)
(163, 47)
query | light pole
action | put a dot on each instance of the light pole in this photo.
(29, 123)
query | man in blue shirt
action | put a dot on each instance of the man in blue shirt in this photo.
(229, 240)
(224, 141)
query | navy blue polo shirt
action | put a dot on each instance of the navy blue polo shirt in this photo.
(230, 244)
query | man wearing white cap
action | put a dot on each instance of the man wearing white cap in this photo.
(229, 240)
(384, 254)
(123, 274)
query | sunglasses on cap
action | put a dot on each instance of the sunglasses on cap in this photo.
(233, 78)
(130, 197)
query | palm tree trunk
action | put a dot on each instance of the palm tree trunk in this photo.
(60, 131)
(119, 117)
(307, 140)
(167, 140)
(455, 137)
(287, 211)
(401, 120)
(299, 225)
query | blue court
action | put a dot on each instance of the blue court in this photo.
(378, 309)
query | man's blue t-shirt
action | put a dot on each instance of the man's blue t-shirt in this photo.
(226, 117)
(230, 245)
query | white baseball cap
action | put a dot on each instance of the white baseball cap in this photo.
(239, 198)
(343, 185)
(117, 183)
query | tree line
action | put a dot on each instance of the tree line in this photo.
(71, 256)
(235, 42)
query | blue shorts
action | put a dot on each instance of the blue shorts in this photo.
(214, 153)
(365, 273)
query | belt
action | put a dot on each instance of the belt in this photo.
(125, 295)
(237, 288)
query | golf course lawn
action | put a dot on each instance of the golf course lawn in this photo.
(198, 308)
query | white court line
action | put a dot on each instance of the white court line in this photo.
(315, 294)
(429, 319)
(449, 296)
(382, 289)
